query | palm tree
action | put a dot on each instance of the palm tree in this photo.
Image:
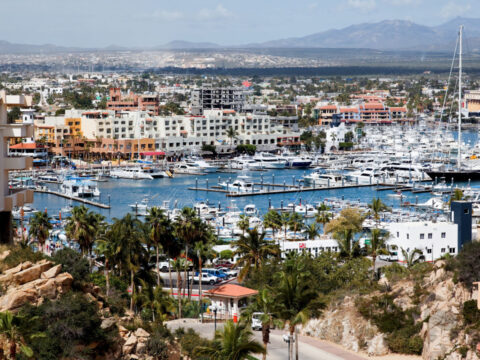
(244, 223)
(312, 231)
(127, 233)
(190, 229)
(376, 207)
(202, 251)
(345, 243)
(285, 221)
(84, 226)
(107, 249)
(264, 303)
(231, 134)
(178, 266)
(253, 249)
(323, 217)
(378, 245)
(155, 299)
(296, 298)
(411, 257)
(39, 227)
(234, 342)
(295, 222)
(272, 220)
(160, 227)
(10, 331)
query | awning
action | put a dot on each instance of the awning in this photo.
(153, 153)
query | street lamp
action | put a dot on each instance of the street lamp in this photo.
(214, 309)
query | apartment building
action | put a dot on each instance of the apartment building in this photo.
(371, 112)
(131, 102)
(224, 98)
(10, 198)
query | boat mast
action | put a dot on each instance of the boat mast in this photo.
(460, 99)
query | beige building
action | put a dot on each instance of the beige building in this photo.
(10, 198)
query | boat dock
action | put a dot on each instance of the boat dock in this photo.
(82, 200)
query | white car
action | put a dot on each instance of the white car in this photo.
(257, 321)
(230, 272)
(206, 279)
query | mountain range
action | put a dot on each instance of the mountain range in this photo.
(383, 35)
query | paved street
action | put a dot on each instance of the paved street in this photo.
(309, 348)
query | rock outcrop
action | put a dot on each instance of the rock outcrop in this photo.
(32, 283)
(345, 326)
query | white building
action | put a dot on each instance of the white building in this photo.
(433, 239)
(10, 198)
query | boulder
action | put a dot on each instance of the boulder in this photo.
(108, 323)
(141, 347)
(18, 268)
(436, 334)
(377, 346)
(31, 273)
(48, 290)
(129, 345)
(4, 255)
(122, 331)
(140, 333)
(16, 299)
(63, 282)
(52, 272)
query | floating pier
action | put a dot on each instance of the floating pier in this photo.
(82, 200)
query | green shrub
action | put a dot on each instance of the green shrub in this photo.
(463, 350)
(157, 347)
(189, 340)
(20, 254)
(470, 312)
(395, 272)
(75, 264)
(467, 264)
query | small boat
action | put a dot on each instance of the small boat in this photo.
(142, 208)
(134, 173)
(79, 187)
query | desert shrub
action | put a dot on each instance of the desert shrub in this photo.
(470, 312)
(463, 350)
(73, 263)
(399, 325)
(395, 272)
(189, 340)
(71, 326)
(18, 255)
(467, 264)
(157, 347)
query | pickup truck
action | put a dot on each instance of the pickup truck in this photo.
(218, 273)
(206, 279)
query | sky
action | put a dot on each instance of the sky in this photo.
(143, 23)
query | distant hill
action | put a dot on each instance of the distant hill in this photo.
(179, 44)
(384, 35)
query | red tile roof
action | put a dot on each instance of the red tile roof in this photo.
(398, 109)
(328, 107)
(26, 146)
(231, 290)
(345, 110)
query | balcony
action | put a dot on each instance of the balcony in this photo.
(18, 163)
(17, 131)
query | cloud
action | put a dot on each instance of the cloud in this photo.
(453, 9)
(313, 5)
(362, 4)
(164, 15)
(220, 12)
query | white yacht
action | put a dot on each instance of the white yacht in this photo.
(201, 164)
(250, 210)
(156, 172)
(306, 210)
(186, 168)
(322, 179)
(245, 163)
(270, 161)
(134, 173)
(296, 161)
(367, 176)
(140, 209)
(79, 187)
(242, 184)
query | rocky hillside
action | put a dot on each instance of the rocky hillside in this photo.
(423, 312)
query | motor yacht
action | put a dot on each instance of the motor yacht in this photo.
(79, 187)
(134, 173)
(270, 161)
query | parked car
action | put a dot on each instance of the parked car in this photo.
(257, 321)
(163, 266)
(206, 279)
(230, 272)
(224, 263)
(216, 272)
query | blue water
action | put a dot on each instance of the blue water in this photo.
(121, 192)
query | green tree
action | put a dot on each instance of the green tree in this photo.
(294, 292)
(378, 245)
(376, 207)
(160, 228)
(14, 114)
(233, 342)
(295, 222)
(253, 250)
(244, 223)
(40, 227)
(311, 231)
(84, 226)
(272, 220)
(323, 217)
(411, 257)
(155, 299)
(10, 330)
(231, 134)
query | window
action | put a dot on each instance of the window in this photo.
(422, 236)
(429, 251)
(444, 235)
(452, 250)
(442, 250)
(429, 235)
(408, 236)
(398, 234)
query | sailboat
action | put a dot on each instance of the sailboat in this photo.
(460, 174)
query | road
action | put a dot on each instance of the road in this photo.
(308, 349)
